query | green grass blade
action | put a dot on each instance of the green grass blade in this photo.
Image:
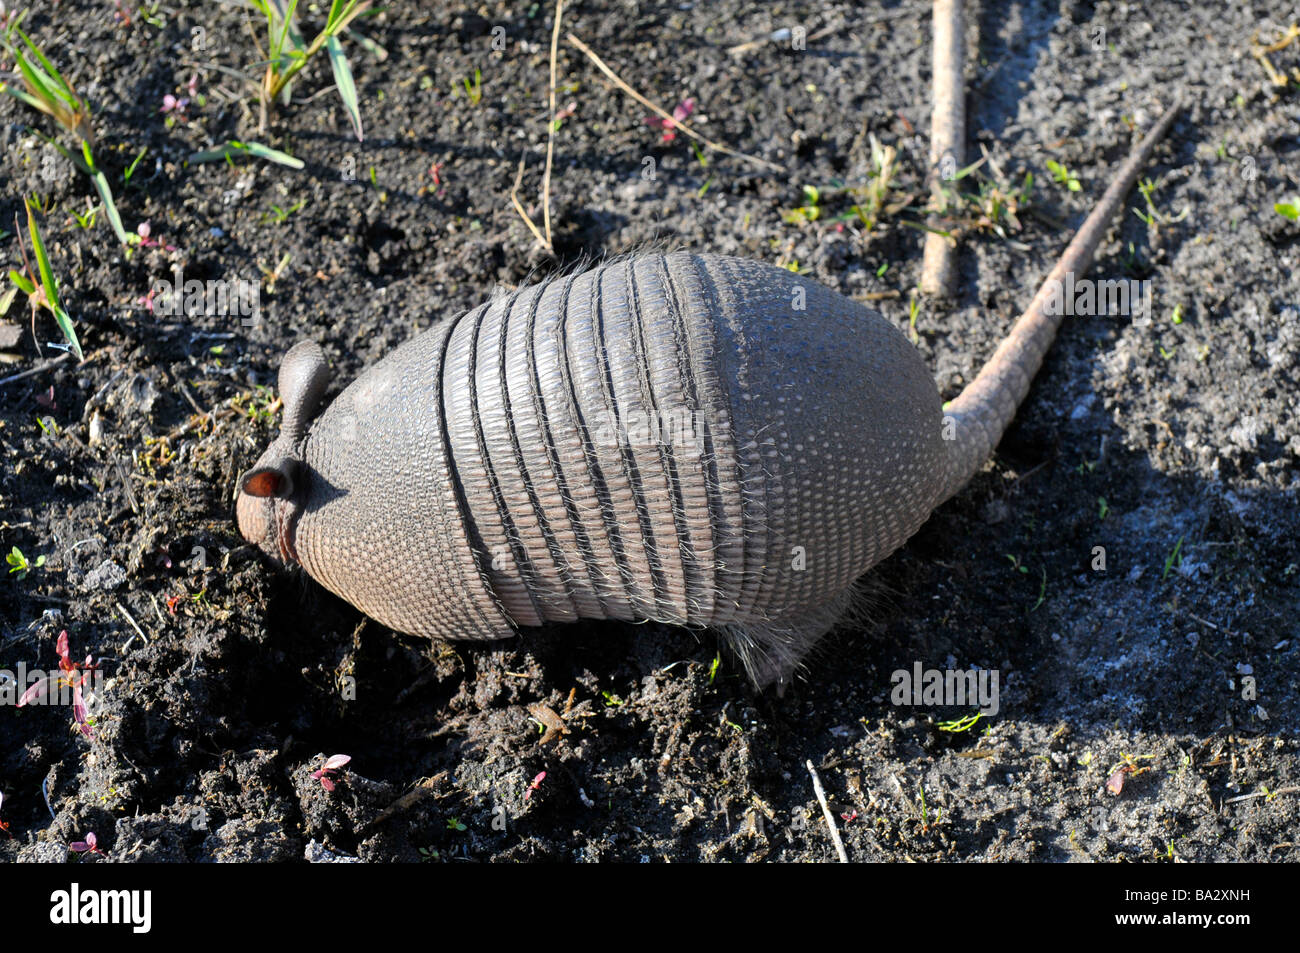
(273, 155)
(110, 208)
(45, 94)
(229, 149)
(51, 289)
(22, 281)
(54, 74)
(346, 86)
(28, 98)
(288, 29)
(42, 260)
(210, 155)
(64, 321)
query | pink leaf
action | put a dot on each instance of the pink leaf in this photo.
(326, 783)
(336, 761)
(1115, 783)
(36, 691)
(79, 713)
(82, 846)
(61, 646)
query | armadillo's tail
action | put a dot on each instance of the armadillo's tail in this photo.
(976, 420)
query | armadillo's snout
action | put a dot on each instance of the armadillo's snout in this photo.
(265, 509)
(253, 518)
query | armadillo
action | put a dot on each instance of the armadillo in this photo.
(686, 438)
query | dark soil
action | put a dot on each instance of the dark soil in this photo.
(1172, 441)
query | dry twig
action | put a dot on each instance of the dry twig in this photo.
(826, 812)
(677, 123)
(947, 142)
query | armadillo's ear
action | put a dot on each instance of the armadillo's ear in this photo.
(265, 482)
(303, 378)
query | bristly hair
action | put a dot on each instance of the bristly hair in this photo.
(775, 652)
(548, 271)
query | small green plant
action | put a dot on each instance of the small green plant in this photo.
(229, 151)
(281, 215)
(287, 52)
(871, 201)
(873, 198)
(1289, 210)
(713, 669)
(1103, 508)
(958, 725)
(703, 160)
(1173, 559)
(611, 700)
(43, 291)
(130, 170)
(86, 221)
(1152, 216)
(47, 91)
(454, 824)
(810, 211)
(700, 157)
(1063, 176)
(474, 90)
(926, 823)
(260, 404)
(18, 563)
(995, 205)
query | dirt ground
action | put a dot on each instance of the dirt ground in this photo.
(1170, 439)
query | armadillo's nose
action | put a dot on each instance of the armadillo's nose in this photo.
(252, 517)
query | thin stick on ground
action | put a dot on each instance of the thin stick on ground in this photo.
(543, 234)
(519, 207)
(33, 371)
(663, 113)
(826, 812)
(947, 143)
(550, 127)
